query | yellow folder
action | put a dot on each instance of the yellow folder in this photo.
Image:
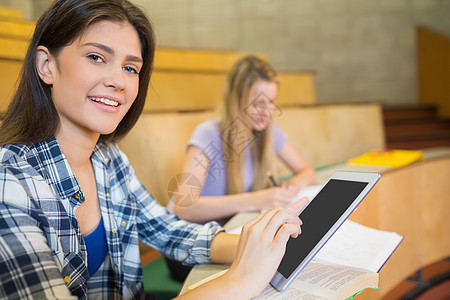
(390, 158)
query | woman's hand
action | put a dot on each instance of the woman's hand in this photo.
(290, 186)
(279, 196)
(262, 245)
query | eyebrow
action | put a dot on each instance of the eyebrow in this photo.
(111, 51)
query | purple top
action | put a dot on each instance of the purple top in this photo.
(207, 138)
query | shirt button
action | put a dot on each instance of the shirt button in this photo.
(106, 160)
(77, 195)
(114, 230)
(108, 195)
(67, 279)
(116, 265)
(123, 223)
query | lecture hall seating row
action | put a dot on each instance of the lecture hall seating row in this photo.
(433, 69)
(183, 80)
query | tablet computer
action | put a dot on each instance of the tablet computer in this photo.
(323, 215)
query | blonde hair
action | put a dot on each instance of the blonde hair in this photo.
(244, 74)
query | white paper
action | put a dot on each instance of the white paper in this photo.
(359, 246)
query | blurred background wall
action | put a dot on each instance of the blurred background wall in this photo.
(359, 50)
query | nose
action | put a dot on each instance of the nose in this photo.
(115, 78)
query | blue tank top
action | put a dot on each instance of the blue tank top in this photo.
(96, 248)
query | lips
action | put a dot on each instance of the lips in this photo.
(105, 101)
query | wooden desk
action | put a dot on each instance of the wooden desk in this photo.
(413, 201)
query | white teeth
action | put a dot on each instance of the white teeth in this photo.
(104, 100)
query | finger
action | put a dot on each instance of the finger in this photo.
(245, 236)
(283, 202)
(263, 219)
(281, 218)
(286, 193)
(283, 184)
(260, 216)
(298, 205)
(285, 232)
(291, 187)
(255, 229)
(286, 186)
(283, 197)
(295, 189)
(259, 222)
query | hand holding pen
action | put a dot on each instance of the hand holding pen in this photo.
(276, 196)
(271, 178)
(285, 184)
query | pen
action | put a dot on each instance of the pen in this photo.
(274, 182)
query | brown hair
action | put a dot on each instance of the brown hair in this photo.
(244, 74)
(31, 116)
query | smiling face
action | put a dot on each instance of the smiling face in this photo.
(95, 79)
(261, 103)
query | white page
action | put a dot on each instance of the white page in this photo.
(236, 230)
(359, 246)
(324, 281)
(291, 294)
(328, 280)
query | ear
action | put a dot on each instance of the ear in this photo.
(45, 65)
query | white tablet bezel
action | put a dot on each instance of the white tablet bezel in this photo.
(279, 282)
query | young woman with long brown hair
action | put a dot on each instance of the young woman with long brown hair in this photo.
(71, 208)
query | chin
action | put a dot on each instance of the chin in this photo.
(260, 127)
(106, 131)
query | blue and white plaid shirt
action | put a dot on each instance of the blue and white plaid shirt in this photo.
(42, 252)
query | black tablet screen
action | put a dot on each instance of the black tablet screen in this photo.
(318, 218)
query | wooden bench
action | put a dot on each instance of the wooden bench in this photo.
(18, 29)
(183, 80)
(155, 147)
(11, 13)
(433, 68)
(14, 38)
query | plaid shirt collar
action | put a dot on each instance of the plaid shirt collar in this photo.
(50, 162)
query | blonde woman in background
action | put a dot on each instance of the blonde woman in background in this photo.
(229, 159)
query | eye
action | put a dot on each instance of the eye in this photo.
(130, 70)
(259, 105)
(95, 58)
